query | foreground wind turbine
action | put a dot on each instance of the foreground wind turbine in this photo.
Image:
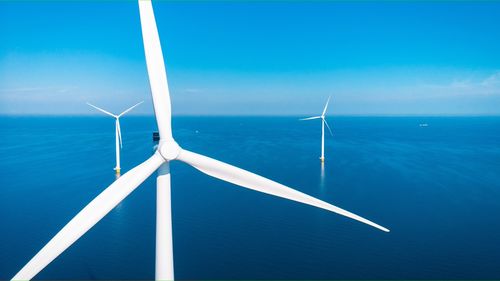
(118, 132)
(168, 150)
(323, 123)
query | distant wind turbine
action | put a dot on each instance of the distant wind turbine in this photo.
(168, 150)
(323, 123)
(118, 131)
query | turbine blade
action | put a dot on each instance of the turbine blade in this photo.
(156, 69)
(310, 118)
(102, 110)
(119, 131)
(232, 174)
(89, 216)
(130, 108)
(326, 123)
(326, 106)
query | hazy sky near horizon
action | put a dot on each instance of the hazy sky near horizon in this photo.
(270, 58)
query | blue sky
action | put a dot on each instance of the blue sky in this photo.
(252, 58)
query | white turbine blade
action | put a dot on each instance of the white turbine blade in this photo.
(119, 131)
(130, 108)
(101, 110)
(326, 123)
(156, 69)
(310, 118)
(232, 174)
(89, 216)
(326, 106)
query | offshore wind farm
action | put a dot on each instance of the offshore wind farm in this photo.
(168, 150)
(414, 150)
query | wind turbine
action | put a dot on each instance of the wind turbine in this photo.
(323, 123)
(168, 150)
(118, 131)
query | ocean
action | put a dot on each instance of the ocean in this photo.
(437, 188)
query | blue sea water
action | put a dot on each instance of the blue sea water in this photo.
(437, 188)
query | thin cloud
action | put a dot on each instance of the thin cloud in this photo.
(493, 80)
(192, 90)
(22, 90)
(489, 85)
(36, 89)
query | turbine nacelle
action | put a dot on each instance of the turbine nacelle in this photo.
(169, 149)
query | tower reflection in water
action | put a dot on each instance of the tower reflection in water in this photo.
(322, 177)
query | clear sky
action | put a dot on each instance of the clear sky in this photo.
(251, 58)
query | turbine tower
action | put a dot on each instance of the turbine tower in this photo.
(168, 150)
(118, 132)
(323, 123)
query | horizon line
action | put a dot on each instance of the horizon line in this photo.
(260, 115)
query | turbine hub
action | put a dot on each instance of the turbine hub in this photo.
(169, 149)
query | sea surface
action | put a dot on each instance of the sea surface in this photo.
(437, 188)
